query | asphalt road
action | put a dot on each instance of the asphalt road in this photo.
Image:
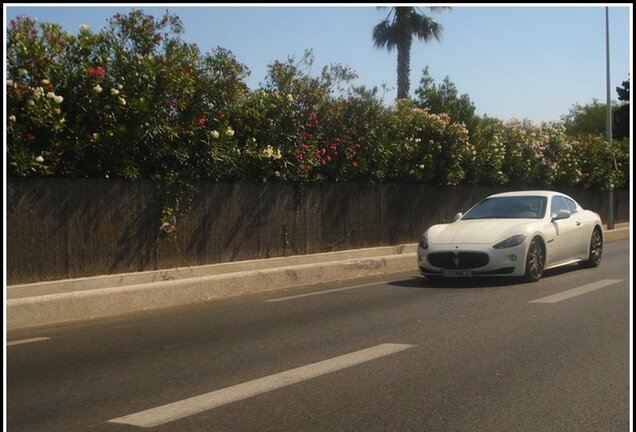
(393, 353)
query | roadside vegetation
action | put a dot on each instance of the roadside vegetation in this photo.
(135, 101)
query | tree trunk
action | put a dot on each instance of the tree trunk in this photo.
(403, 52)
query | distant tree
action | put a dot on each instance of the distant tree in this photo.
(397, 31)
(445, 98)
(621, 112)
(587, 119)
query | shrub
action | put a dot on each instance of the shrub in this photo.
(135, 101)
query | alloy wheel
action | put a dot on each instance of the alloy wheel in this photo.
(596, 249)
(535, 261)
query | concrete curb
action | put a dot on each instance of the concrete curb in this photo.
(58, 302)
(621, 232)
(89, 304)
(155, 276)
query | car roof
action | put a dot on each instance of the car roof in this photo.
(543, 193)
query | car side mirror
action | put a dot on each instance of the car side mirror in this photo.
(458, 216)
(561, 214)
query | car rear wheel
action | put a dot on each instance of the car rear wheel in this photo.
(535, 260)
(596, 249)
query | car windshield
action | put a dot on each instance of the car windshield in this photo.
(519, 207)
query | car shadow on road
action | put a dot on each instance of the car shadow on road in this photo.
(458, 283)
(478, 282)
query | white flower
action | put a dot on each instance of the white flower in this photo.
(290, 98)
(95, 135)
(38, 92)
(268, 151)
(22, 72)
(272, 153)
(10, 83)
(58, 99)
(39, 159)
(114, 91)
(45, 82)
(229, 132)
(119, 86)
(11, 118)
(30, 102)
(97, 88)
(122, 101)
(84, 27)
(214, 134)
(50, 95)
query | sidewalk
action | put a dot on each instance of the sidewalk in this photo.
(69, 300)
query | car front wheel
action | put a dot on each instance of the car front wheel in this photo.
(596, 249)
(535, 260)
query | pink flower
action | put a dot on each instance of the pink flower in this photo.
(96, 71)
(29, 136)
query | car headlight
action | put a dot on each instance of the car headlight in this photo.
(424, 242)
(510, 242)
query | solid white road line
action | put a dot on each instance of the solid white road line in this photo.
(26, 341)
(187, 407)
(325, 292)
(577, 291)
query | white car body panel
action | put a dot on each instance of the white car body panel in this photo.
(565, 241)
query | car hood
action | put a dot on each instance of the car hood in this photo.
(480, 231)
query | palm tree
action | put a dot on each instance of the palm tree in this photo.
(397, 31)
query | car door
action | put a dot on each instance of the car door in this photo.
(582, 237)
(567, 233)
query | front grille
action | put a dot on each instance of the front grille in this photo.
(458, 260)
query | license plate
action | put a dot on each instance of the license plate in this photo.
(457, 273)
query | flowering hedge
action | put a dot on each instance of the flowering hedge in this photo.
(135, 101)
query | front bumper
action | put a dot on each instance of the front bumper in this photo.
(452, 260)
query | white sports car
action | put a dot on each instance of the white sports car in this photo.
(513, 234)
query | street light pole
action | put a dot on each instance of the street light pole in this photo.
(610, 218)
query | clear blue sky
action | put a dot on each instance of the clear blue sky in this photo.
(533, 61)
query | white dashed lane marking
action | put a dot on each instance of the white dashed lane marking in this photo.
(325, 292)
(187, 407)
(575, 292)
(26, 341)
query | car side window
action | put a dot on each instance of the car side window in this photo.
(571, 205)
(558, 203)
